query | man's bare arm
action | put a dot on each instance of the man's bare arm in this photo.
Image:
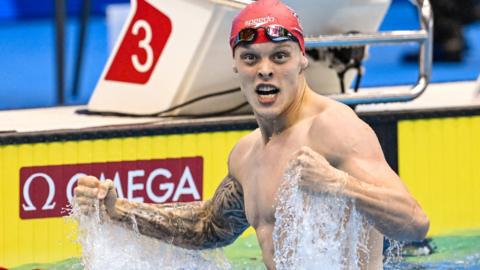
(362, 174)
(384, 200)
(213, 223)
(378, 191)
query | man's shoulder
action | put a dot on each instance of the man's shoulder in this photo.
(335, 115)
(247, 142)
(242, 149)
(339, 128)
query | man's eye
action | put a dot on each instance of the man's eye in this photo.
(249, 58)
(280, 57)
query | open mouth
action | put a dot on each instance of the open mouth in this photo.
(266, 90)
(267, 93)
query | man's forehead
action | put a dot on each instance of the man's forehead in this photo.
(269, 46)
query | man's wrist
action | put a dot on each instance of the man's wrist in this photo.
(115, 211)
(342, 180)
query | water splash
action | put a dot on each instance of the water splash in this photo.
(107, 245)
(393, 255)
(317, 231)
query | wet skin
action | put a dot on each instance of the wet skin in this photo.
(336, 151)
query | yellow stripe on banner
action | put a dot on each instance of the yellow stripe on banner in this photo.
(189, 145)
(144, 148)
(159, 147)
(41, 237)
(204, 141)
(28, 229)
(73, 153)
(97, 152)
(11, 219)
(475, 166)
(114, 150)
(129, 149)
(3, 203)
(439, 161)
(53, 242)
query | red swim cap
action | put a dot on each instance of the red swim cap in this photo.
(264, 13)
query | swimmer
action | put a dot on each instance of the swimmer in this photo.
(336, 151)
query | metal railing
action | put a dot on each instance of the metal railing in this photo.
(423, 36)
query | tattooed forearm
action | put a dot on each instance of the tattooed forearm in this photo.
(213, 223)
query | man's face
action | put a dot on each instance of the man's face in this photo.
(270, 75)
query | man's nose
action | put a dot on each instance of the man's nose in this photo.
(265, 71)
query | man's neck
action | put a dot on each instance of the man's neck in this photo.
(270, 127)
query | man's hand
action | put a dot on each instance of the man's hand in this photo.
(316, 173)
(90, 190)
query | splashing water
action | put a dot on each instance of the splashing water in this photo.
(317, 231)
(393, 255)
(107, 245)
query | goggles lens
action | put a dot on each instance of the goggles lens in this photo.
(246, 35)
(274, 33)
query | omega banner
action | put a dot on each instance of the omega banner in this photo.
(47, 191)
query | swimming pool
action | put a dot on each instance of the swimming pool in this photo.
(458, 250)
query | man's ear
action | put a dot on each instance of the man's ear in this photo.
(304, 63)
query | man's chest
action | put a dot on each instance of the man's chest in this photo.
(262, 176)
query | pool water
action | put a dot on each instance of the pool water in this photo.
(456, 251)
(459, 250)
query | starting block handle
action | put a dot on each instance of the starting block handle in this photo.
(424, 37)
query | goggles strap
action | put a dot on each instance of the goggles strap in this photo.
(264, 34)
(261, 36)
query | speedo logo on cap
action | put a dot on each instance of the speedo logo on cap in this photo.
(259, 21)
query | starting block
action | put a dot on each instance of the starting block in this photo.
(173, 57)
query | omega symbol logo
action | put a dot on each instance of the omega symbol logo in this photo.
(49, 204)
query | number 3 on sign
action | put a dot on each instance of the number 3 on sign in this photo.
(141, 46)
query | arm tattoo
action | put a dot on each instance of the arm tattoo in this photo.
(209, 224)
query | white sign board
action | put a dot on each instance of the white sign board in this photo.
(174, 51)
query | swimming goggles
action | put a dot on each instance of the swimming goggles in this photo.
(275, 33)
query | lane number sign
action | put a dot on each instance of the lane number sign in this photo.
(141, 47)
